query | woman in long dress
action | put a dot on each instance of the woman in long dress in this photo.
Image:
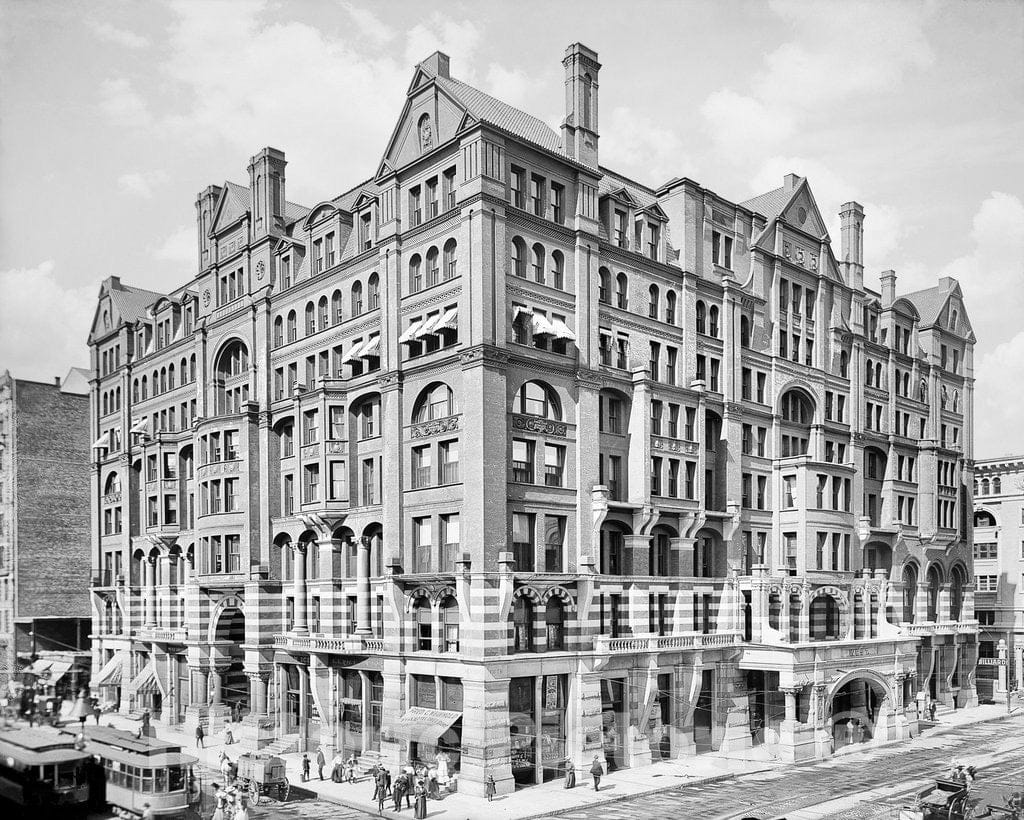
(221, 800)
(570, 775)
(421, 801)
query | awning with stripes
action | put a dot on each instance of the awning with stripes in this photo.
(430, 326)
(562, 330)
(354, 352)
(411, 332)
(145, 682)
(541, 326)
(450, 320)
(112, 673)
(371, 348)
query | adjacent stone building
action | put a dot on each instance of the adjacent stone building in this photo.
(44, 528)
(999, 570)
(503, 459)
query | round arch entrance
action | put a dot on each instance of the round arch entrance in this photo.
(227, 637)
(857, 708)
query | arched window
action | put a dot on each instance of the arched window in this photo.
(433, 269)
(451, 264)
(170, 376)
(192, 368)
(522, 619)
(554, 624)
(844, 364)
(538, 263)
(713, 321)
(824, 618)
(436, 402)
(415, 273)
(557, 270)
(922, 392)
(450, 625)
(373, 292)
(952, 320)
(357, 298)
(984, 486)
(796, 407)
(184, 371)
(670, 307)
(702, 317)
(797, 415)
(518, 257)
(232, 378)
(956, 593)
(278, 331)
(870, 375)
(106, 409)
(336, 307)
(117, 398)
(604, 285)
(943, 397)
(163, 379)
(622, 291)
(292, 332)
(934, 585)
(537, 399)
(144, 391)
(956, 401)
(744, 331)
(997, 485)
(310, 319)
(655, 306)
(323, 317)
(909, 593)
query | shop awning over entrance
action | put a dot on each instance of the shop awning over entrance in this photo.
(112, 673)
(58, 669)
(421, 725)
(145, 683)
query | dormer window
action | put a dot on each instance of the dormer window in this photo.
(318, 255)
(286, 272)
(415, 206)
(619, 229)
(721, 250)
(653, 239)
(329, 245)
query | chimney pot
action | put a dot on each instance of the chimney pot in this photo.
(56, 381)
(438, 64)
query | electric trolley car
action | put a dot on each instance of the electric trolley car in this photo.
(41, 769)
(131, 771)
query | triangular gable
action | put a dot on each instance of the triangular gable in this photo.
(802, 211)
(468, 121)
(624, 196)
(228, 210)
(954, 301)
(654, 209)
(420, 78)
(383, 171)
(444, 113)
(365, 198)
(104, 305)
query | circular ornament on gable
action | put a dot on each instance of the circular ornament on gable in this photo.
(802, 215)
(206, 297)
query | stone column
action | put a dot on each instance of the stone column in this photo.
(363, 625)
(732, 707)
(791, 693)
(200, 690)
(921, 604)
(303, 705)
(215, 685)
(942, 609)
(150, 592)
(301, 625)
(805, 615)
(637, 556)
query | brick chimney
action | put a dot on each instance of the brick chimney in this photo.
(266, 189)
(579, 129)
(888, 278)
(851, 220)
(437, 64)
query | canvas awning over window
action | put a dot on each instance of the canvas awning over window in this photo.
(371, 348)
(354, 352)
(38, 668)
(57, 670)
(520, 312)
(411, 332)
(141, 427)
(541, 326)
(430, 326)
(562, 330)
(102, 443)
(420, 725)
(112, 673)
(450, 320)
(145, 682)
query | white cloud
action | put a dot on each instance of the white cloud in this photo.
(119, 36)
(744, 126)
(369, 25)
(123, 104)
(142, 183)
(459, 39)
(633, 143)
(43, 324)
(999, 413)
(180, 246)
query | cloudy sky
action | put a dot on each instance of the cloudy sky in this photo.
(115, 114)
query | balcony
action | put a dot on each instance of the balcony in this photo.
(349, 645)
(163, 635)
(929, 628)
(605, 645)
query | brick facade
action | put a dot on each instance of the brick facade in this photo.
(505, 436)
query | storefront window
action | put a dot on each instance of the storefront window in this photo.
(552, 729)
(521, 708)
(613, 722)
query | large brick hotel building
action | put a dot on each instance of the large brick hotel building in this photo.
(501, 454)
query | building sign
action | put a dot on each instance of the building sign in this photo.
(991, 661)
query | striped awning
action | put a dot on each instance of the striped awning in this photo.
(145, 682)
(411, 332)
(141, 427)
(541, 326)
(450, 320)
(354, 352)
(112, 673)
(371, 348)
(562, 330)
(430, 326)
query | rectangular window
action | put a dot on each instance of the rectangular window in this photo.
(537, 194)
(339, 480)
(450, 540)
(554, 464)
(554, 540)
(557, 203)
(656, 409)
(311, 483)
(516, 186)
(448, 189)
(431, 197)
(230, 494)
(655, 476)
(789, 492)
(761, 381)
(310, 430)
(422, 467)
(746, 385)
(523, 541)
(673, 478)
(421, 544)
(449, 453)
(415, 206)
(370, 484)
(522, 461)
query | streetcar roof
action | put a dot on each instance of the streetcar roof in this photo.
(114, 741)
(46, 754)
(36, 740)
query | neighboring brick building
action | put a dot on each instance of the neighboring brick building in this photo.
(504, 454)
(44, 523)
(999, 568)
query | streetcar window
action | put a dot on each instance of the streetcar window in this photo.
(66, 774)
(147, 781)
(161, 780)
(175, 779)
(46, 773)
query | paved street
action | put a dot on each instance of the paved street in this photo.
(994, 747)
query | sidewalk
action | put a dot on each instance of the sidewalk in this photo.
(550, 798)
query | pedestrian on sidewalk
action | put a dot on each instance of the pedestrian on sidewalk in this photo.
(350, 768)
(337, 767)
(381, 797)
(570, 775)
(931, 711)
(200, 734)
(305, 767)
(596, 770)
(387, 780)
(490, 789)
(399, 790)
(420, 812)
(321, 761)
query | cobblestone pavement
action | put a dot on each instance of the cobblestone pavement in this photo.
(776, 794)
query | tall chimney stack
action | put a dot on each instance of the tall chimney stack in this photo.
(851, 219)
(579, 129)
(888, 278)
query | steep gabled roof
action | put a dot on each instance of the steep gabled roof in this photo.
(770, 204)
(612, 183)
(930, 301)
(132, 303)
(488, 109)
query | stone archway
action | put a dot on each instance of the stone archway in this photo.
(858, 708)
(229, 687)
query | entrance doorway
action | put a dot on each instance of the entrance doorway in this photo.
(856, 710)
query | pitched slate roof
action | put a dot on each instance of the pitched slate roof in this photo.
(610, 181)
(131, 303)
(770, 204)
(486, 108)
(930, 301)
(347, 200)
(240, 197)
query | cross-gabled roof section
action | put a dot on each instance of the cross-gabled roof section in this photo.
(931, 303)
(769, 204)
